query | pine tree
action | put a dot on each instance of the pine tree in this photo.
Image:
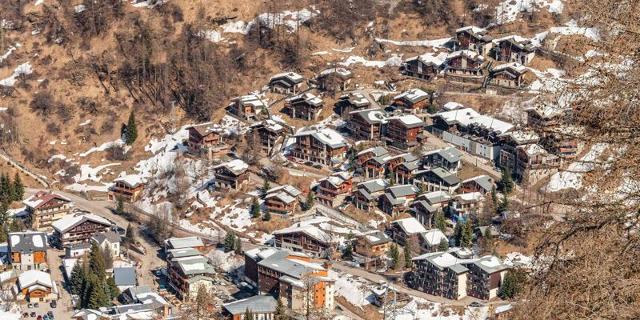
(18, 188)
(407, 256)
(238, 246)
(5, 189)
(96, 261)
(504, 204)
(267, 215)
(310, 199)
(512, 284)
(440, 221)
(506, 182)
(113, 288)
(466, 239)
(132, 130)
(77, 279)
(457, 233)
(229, 241)
(248, 315)
(129, 235)
(347, 253)
(394, 255)
(494, 196)
(266, 186)
(119, 206)
(488, 240)
(255, 208)
(444, 245)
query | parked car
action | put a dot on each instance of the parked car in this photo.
(33, 314)
(53, 304)
(30, 305)
(39, 317)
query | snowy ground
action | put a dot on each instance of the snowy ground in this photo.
(572, 177)
(356, 291)
(23, 69)
(394, 61)
(508, 10)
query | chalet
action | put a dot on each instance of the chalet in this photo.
(514, 49)
(509, 142)
(366, 124)
(260, 307)
(187, 274)
(546, 116)
(128, 188)
(305, 238)
(533, 163)
(283, 199)
(437, 199)
(413, 99)
(367, 193)
(287, 276)
(231, 175)
(304, 106)
(251, 259)
(351, 102)
(320, 145)
(28, 250)
(247, 107)
(482, 183)
(270, 133)
(447, 158)
(181, 253)
(465, 64)
(485, 277)
(563, 141)
(108, 241)
(35, 286)
(145, 305)
(207, 139)
(430, 240)
(402, 131)
(79, 227)
(373, 162)
(373, 246)
(332, 190)
(475, 39)
(77, 249)
(437, 179)
(425, 66)
(474, 133)
(43, 208)
(511, 75)
(192, 242)
(396, 199)
(464, 204)
(405, 171)
(334, 79)
(440, 274)
(286, 83)
(423, 211)
(394, 161)
(402, 230)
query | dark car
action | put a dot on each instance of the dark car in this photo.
(39, 317)
(36, 305)
(53, 304)
(33, 314)
(50, 314)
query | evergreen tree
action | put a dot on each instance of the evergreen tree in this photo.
(18, 188)
(98, 293)
(255, 209)
(229, 241)
(129, 235)
(488, 240)
(238, 246)
(266, 186)
(494, 196)
(394, 255)
(407, 256)
(440, 221)
(132, 130)
(457, 234)
(466, 239)
(113, 288)
(248, 315)
(444, 245)
(96, 262)
(512, 285)
(77, 279)
(5, 189)
(267, 215)
(281, 311)
(119, 206)
(504, 204)
(310, 199)
(347, 253)
(506, 182)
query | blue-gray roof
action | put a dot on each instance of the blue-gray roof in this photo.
(125, 276)
(255, 305)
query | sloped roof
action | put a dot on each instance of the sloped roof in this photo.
(310, 230)
(256, 305)
(483, 181)
(410, 225)
(412, 95)
(27, 242)
(409, 120)
(34, 277)
(236, 166)
(433, 237)
(324, 135)
(467, 116)
(69, 221)
(371, 116)
(111, 236)
(184, 242)
(125, 276)
(430, 58)
(40, 198)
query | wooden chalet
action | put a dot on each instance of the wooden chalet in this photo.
(465, 65)
(79, 227)
(283, 199)
(286, 83)
(305, 106)
(269, 133)
(187, 274)
(533, 163)
(437, 179)
(426, 66)
(231, 175)
(128, 188)
(396, 199)
(413, 99)
(402, 132)
(405, 171)
(366, 124)
(483, 184)
(351, 102)
(367, 194)
(247, 107)
(475, 39)
(403, 229)
(448, 158)
(308, 239)
(485, 277)
(509, 142)
(373, 246)
(43, 208)
(373, 162)
(511, 75)
(27, 250)
(332, 190)
(334, 79)
(320, 145)
(514, 49)
(35, 286)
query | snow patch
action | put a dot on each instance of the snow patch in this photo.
(23, 69)
(394, 61)
(416, 43)
(572, 177)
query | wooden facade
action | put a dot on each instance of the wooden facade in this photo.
(126, 191)
(81, 232)
(402, 135)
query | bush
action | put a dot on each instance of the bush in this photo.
(43, 103)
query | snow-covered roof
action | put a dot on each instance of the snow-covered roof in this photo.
(430, 58)
(256, 305)
(523, 136)
(132, 180)
(452, 106)
(515, 66)
(473, 29)
(184, 242)
(413, 95)
(409, 120)
(376, 237)
(410, 225)
(470, 196)
(307, 97)
(310, 230)
(34, 277)
(251, 99)
(533, 149)
(517, 40)
(237, 166)
(69, 221)
(324, 135)
(42, 197)
(28, 241)
(291, 76)
(194, 265)
(468, 116)
(490, 264)
(288, 189)
(465, 53)
(444, 260)
(372, 115)
(342, 72)
(433, 237)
